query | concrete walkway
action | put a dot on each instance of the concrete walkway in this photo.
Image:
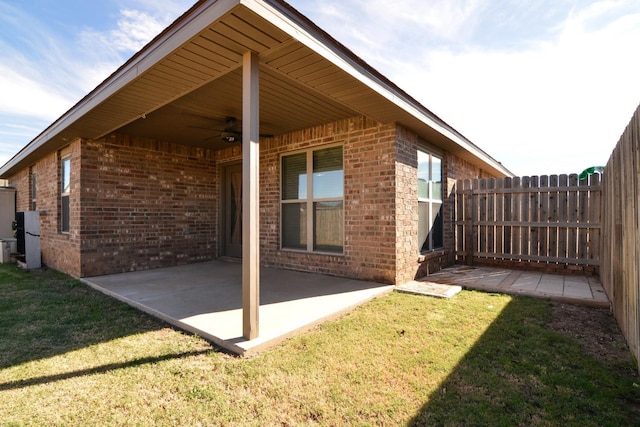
(206, 299)
(574, 289)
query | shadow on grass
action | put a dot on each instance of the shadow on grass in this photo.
(97, 370)
(46, 313)
(522, 373)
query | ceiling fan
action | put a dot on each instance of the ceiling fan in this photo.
(231, 133)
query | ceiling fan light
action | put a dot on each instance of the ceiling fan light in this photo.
(230, 137)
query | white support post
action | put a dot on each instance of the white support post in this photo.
(250, 196)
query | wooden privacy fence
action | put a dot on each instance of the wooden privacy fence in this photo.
(547, 222)
(620, 267)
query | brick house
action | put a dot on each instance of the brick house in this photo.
(244, 130)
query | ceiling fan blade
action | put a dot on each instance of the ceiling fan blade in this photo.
(203, 117)
(209, 138)
(207, 128)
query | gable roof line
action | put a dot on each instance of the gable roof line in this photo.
(328, 47)
(189, 24)
(287, 19)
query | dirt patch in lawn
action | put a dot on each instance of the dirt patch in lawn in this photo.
(597, 332)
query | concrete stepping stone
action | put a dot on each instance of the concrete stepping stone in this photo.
(432, 289)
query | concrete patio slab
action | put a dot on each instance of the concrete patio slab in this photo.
(551, 284)
(578, 291)
(526, 282)
(206, 299)
(571, 288)
(494, 278)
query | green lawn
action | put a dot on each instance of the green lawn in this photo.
(72, 356)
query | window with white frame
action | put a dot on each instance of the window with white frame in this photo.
(65, 186)
(430, 221)
(312, 201)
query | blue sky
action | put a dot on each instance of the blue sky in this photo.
(544, 86)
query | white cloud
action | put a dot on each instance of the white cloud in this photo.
(43, 73)
(445, 19)
(28, 97)
(134, 29)
(383, 32)
(544, 87)
(561, 106)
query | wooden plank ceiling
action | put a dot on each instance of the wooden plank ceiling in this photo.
(188, 96)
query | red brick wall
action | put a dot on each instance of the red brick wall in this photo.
(381, 209)
(406, 199)
(59, 250)
(458, 168)
(145, 204)
(369, 200)
(20, 182)
(411, 265)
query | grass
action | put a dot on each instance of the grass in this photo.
(72, 356)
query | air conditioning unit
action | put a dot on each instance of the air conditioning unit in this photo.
(27, 226)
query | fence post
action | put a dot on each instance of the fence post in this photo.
(595, 197)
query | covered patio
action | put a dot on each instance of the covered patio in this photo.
(206, 299)
(177, 157)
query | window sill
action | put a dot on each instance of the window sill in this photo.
(302, 251)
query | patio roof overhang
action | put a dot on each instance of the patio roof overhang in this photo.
(185, 82)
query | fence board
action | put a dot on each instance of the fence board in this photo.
(595, 209)
(507, 215)
(534, 216)
(475, 209)
(563, 201)
(469, 243)
(482, 215)
(634, 291)
(524, 216)
(583, 212)
(491, 215)
(499, 200)
(553, 217)
(620, 234)
(467, 229)
(627, 250)
(543, 233)
(460, 209)
(529, 219)
(572, 216)
(515, 215)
